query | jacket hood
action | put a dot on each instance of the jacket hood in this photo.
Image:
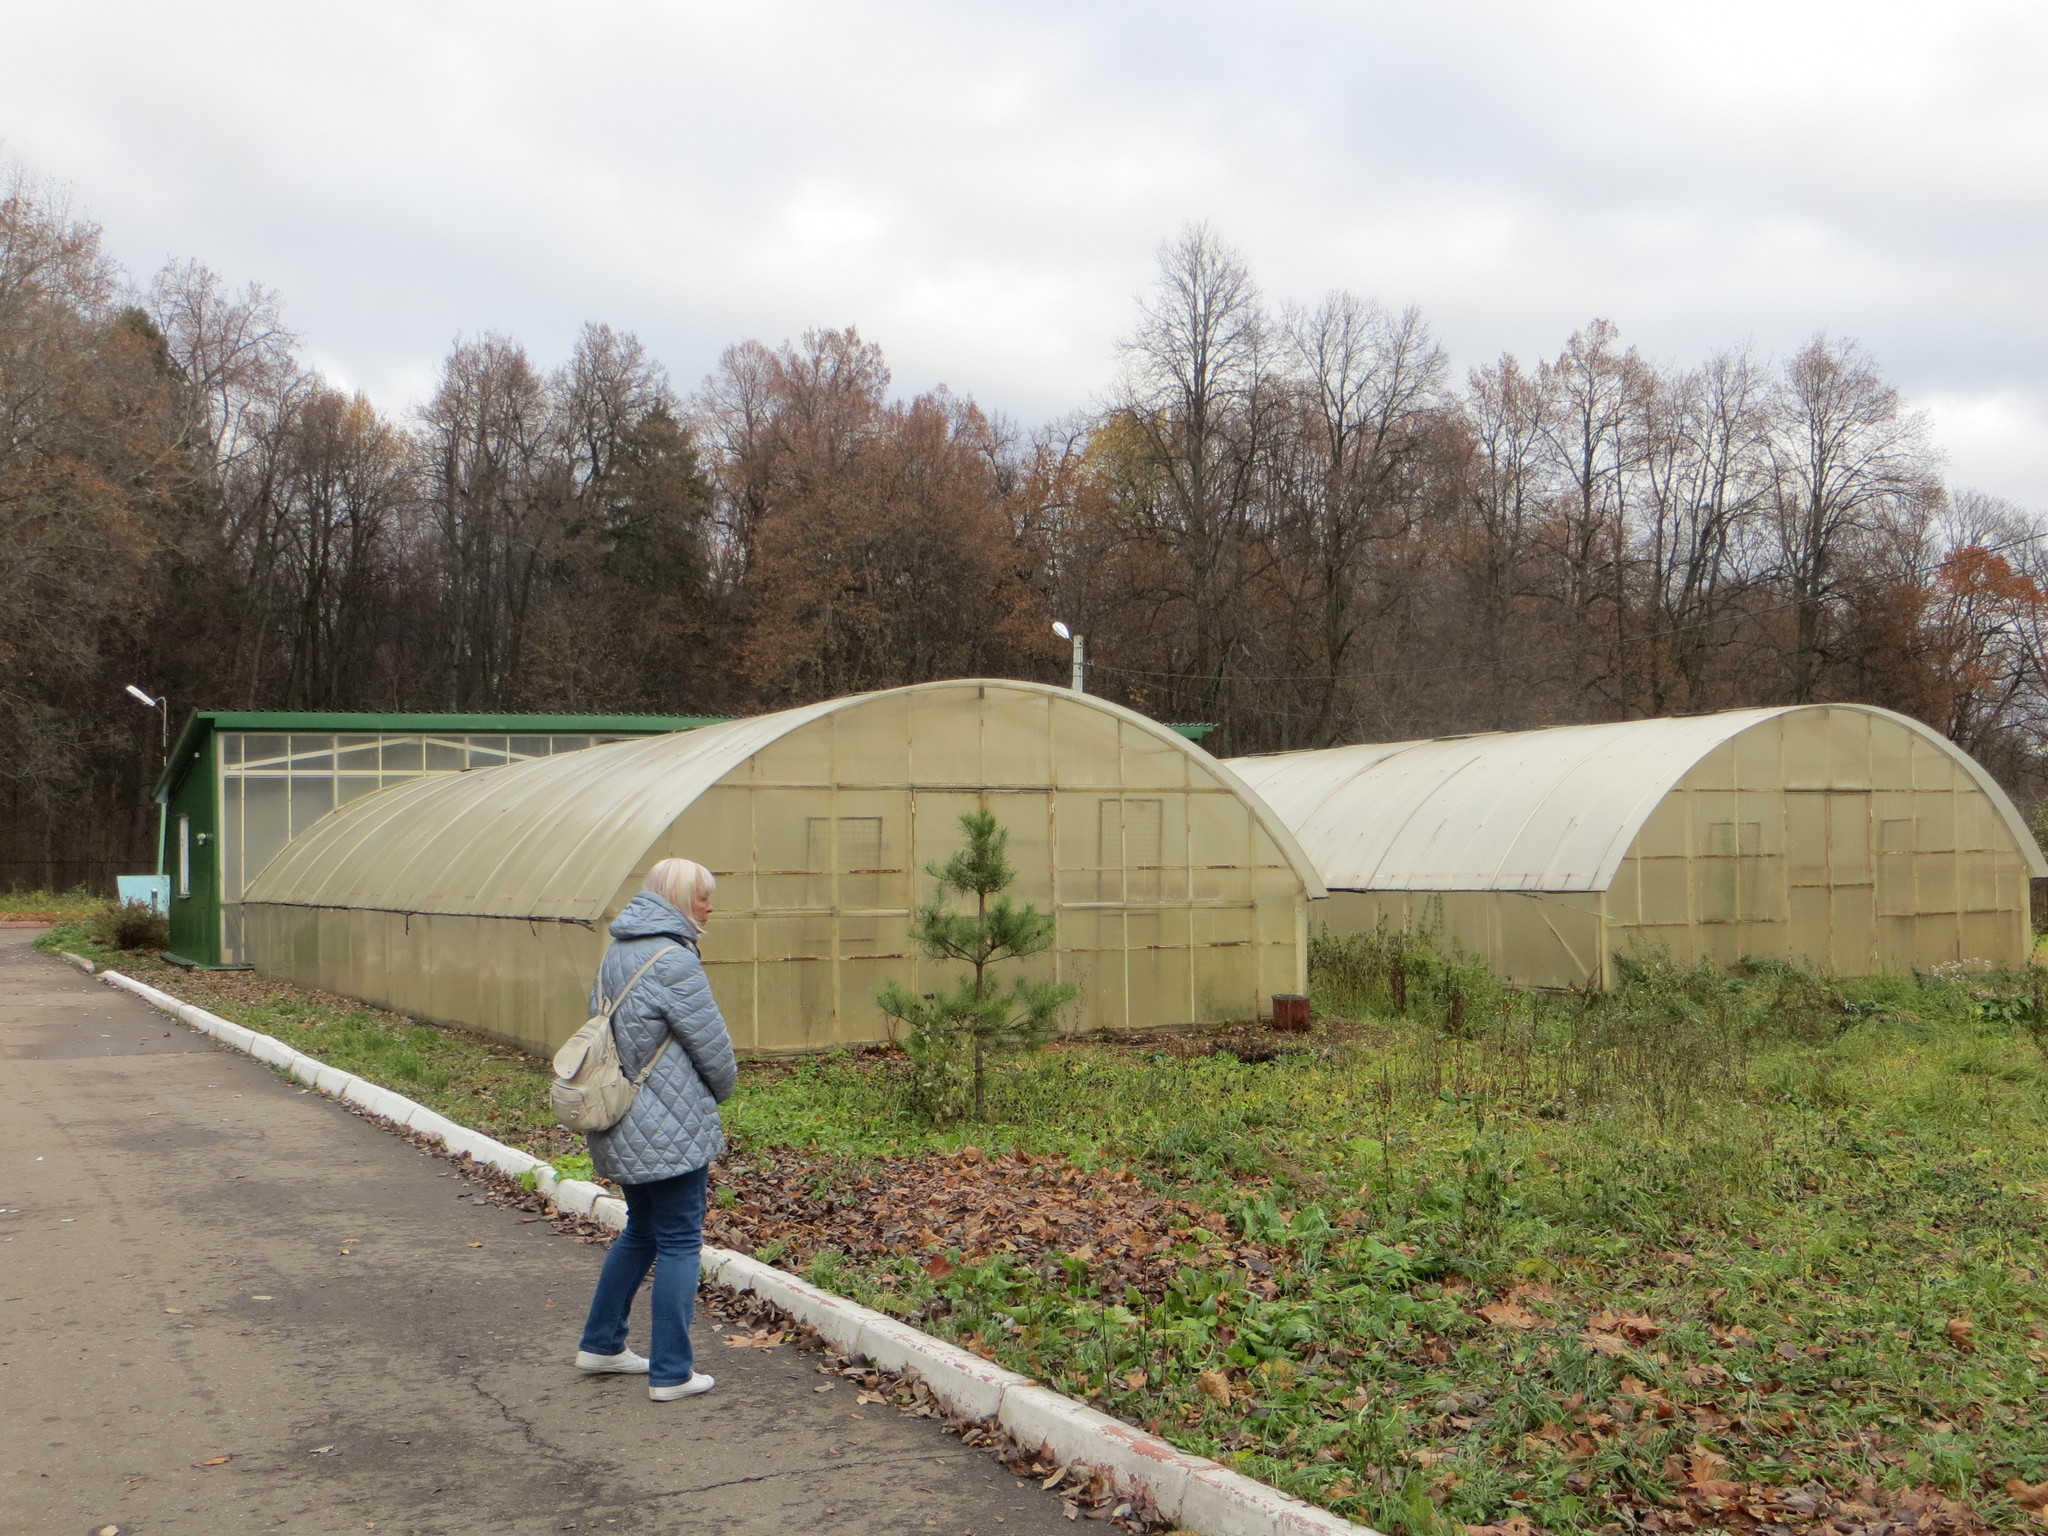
(647, 916)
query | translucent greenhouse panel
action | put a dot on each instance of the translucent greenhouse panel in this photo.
(1220, 835)
(1849, 749)
(1853, 930)
(1806, 749)
(801, 757)
(871, 742)
(1806, 839)
(1157, 980)
(875, 841)
(1231, 925)
(783, 878)
(1811, 934)
(403, 755)
(1016, 739)
(1934, 818)
(1977, 881)
(1028, 815)
(860, 1017)
(1664, 889)
(1993, 936)
(936, 834)
(1934, 882)
(1664, 833)
(1932, 768)
(1225, 983)
(795, 1008)
(945, 738)
(732, 988)
(1849, 838)
(1891, 756)
(266, 822)
(1895, 890)
(1718, 770)
(1087, 750)
(718, 832)
(1624, 904)
(1150, 762)
(779, 938)
(1978, 824)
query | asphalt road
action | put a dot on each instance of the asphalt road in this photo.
(198, 1261)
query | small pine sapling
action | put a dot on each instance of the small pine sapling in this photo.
(961, 1025)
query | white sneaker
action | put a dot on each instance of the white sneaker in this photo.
(698, 1382)
(624, 1363)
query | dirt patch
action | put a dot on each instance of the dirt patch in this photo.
(1032, 1208)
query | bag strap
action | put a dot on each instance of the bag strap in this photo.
(639, 1079)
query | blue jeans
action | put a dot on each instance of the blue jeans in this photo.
(664, 1223)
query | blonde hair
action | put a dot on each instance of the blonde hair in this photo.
(680, 882)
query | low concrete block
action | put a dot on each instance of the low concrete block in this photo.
(510, 1160)
(964, 1382)
(305, 1068)
(610, 1211)
(80, 961)
(1135, 1461)
(576, 1196)
(331, 1081)
(272, 1052)
(1228, 1503)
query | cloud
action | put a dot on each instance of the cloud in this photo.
(981, 189)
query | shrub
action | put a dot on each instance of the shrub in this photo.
(131, 925)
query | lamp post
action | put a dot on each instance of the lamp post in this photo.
(163, 708)
(1080, 681)
(163, 809)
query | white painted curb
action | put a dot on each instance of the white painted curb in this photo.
(1194, 1492)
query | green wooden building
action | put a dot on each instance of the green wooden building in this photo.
(239, 785)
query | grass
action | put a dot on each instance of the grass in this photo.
(49, 906)
(1578, 1261)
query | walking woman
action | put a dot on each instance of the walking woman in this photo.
(660, 1154)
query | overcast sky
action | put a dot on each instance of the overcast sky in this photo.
(982, 188)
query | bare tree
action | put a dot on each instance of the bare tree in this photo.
(1846, 460)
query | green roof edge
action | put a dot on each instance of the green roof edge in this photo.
(345, 720)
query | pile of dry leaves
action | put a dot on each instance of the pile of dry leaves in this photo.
(971, 1204)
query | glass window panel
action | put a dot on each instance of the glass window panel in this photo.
(231, 746)
(446, 756)
(486, 751)
(357, 759)
(261, 747)
(266, 822)
(353, 786)
(402, 754)
(312, 798)
(527, 746)
(568, 743)
(312, 751)
(231, 879)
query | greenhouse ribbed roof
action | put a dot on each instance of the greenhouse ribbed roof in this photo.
(1548, 810)
(552, 839)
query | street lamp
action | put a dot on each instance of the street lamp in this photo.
(163, 708)
(163, 810)
(1079, 684)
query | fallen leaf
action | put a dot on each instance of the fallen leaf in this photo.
(1959, 1332)
(1215, 1386)
(823, 1386)
(1343, 1488)
(1506, 1314)
(1135, 1379)
(320, 1450)
(1610, 1344)
(175, 1311)
(1429, 1456)
(938, 1266)
(263, 1298)
(476, 1245)
(214, 1461)
(875, 1398)
(1051, 1481)
(2032, 1496)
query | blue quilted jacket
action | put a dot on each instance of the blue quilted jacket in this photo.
(673, 1126)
